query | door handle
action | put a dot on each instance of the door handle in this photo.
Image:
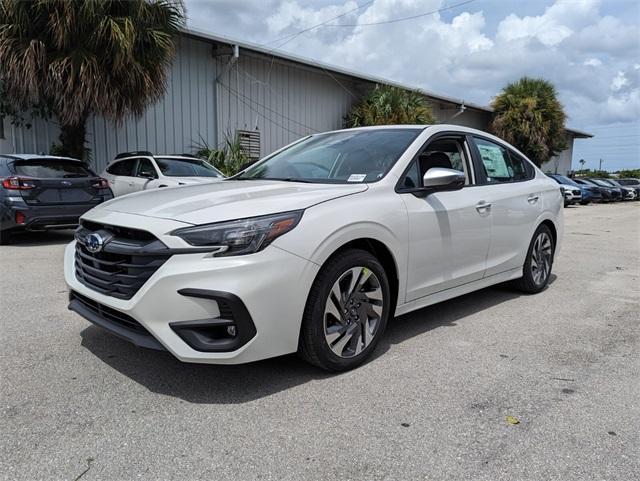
(532, 199)
(483, 207)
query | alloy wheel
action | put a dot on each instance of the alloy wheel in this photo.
(541, 258)
(353, 311)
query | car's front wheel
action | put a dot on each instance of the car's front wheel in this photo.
(346, 312)
(539, 261)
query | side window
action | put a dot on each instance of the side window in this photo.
(124, 167)
(521, 168)
(450, 153)
(146, 169)
(500, 164)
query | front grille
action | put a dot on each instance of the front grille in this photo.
(576, 192)
(105, 312)
(127, 260)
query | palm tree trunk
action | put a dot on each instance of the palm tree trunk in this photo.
(73, 139)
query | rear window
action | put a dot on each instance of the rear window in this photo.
(186, 168)
(50, 168)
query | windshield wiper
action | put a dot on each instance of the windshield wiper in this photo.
(288, 179)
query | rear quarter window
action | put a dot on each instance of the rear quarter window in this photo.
(123, 167)
(50, 168)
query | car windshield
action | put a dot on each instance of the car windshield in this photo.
(337, 157)
(176, 167)
(628, 182)
(600, 183)
(51, 168)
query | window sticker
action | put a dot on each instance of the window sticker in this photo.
(356, 177)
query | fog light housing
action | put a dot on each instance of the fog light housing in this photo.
(231, 330)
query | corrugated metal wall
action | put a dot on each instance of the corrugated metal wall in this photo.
(281, 100)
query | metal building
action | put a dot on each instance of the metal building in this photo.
(221, 87)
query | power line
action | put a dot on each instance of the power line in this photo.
(291, 36)
(236, 93)
(268, 119)
(402, 19)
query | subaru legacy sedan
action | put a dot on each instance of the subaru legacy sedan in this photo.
(315, 247)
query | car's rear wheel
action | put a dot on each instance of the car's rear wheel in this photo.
(539, 261)
(346, 312)
(5, 237)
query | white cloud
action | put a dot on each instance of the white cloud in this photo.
(592, 58)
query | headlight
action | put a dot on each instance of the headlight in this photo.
(242, 236)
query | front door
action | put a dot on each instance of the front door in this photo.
(449, 235)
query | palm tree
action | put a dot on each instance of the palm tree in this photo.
(528, 114)
(390, 105)
(582, 162)
(73, 58)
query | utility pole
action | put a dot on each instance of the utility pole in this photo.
(600, 167)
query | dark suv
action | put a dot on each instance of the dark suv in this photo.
(39, 192)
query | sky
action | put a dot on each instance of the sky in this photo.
(589, 49)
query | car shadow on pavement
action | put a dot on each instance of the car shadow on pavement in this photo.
(43, 238)
(161, 373)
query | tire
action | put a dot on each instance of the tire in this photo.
(331, 338)
(584, 202)
(5, 237)
(538, 254)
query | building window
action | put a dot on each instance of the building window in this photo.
(250, 143)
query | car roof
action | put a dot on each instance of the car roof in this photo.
(37, 156)
(163, 156)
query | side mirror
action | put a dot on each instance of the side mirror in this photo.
(439, 178)
(145, 174)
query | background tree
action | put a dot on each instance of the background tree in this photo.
(528, 114)
(582, 162)
(73, 58)
(390, 105)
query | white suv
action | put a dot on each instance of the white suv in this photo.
(135, 171)
(315, 247)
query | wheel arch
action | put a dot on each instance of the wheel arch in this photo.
(381, 252)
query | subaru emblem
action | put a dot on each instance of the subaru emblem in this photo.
(93, 242)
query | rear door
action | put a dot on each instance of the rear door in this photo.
(511, 196)
(57, 181)
(121, 176)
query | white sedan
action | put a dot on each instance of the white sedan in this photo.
(135, 171)
(314, 248)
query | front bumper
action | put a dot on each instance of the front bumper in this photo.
(272, 285)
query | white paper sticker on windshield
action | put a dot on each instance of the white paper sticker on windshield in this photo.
(356, 177)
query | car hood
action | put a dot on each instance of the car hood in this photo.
(230, 199)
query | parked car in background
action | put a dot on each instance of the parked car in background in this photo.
(599, 194)
(315, 247)
(634, 183)
(573, 192)
(616, 192)
(628, 193)
(41, 192)
(135, 171)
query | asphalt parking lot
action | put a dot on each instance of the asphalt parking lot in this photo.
(433, 404)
